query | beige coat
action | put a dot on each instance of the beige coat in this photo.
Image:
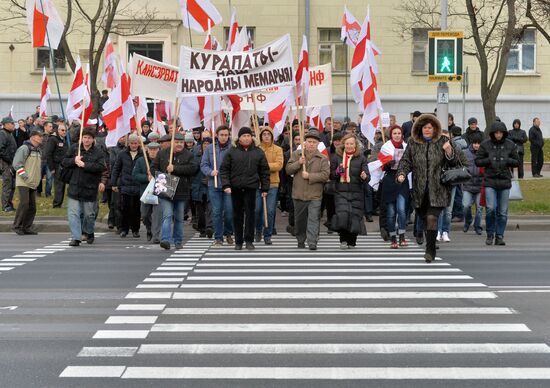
(274, 156)
(318, 168)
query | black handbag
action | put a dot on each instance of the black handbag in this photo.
(65, 174)
(455, 175)
(330, 188)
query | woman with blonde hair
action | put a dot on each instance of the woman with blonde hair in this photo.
(348, 168)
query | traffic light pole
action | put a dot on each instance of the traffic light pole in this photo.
(443, 87)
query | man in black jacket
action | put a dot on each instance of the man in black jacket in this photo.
(8, 146)
(519, 137)
(537, 145)
(87, 169)
(243, 171)
(184, 166)
(54, 151)
(498, 155)
(113, 198)
(128, 186)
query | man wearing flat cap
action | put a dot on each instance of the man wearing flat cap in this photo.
(307, 189)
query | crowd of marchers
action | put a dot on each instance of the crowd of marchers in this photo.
(231, 189)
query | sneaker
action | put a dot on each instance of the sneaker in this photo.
(135, 234)
(351, 246)
(165, 244)
(466, 228)
(301, 245)
(403, 241)
(250, 246)
(343, 245)
(179, 246)
(267, 241)
(489, 240)
(499, 241)
(90, 239)
(123, 234)
(74, 243)
(30, 232)
(258, 237)
(369, 218)
(420, 239)
(238, 247)
(229, 240)
(217, 244)
(313, 247)
(479, 231)
(445, 237)
(438, 238)
(209, 232)
(149, 236)
(274, 232)
(394, 244)
(19, 232)
(384, 234)
(156, 241)
(9, 209)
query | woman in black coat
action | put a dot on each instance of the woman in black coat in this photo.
(427, 153)
(519, 137)
(394, 194)
(349, 169)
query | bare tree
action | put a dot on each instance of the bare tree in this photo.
(538, 12)
(491, 30)
(96, 20)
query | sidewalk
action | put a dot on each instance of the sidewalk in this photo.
(60, 225)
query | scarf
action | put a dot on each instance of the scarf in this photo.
(397, 144)
(427, 139)
(346, 160)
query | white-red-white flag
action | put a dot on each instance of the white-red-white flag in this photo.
(317, 116)
(76, 94)
(45, 94)
(88, 109)
(191, 112)
(196, 14)
(242, 41)
(277, 107)
(45, 25)
(118, 111)
(10, 113)
(350, 28)
(110, 66)
(239, 117)
(211, 43)
(302, 74)
(158, 124)
(233, 30)
(141, 108)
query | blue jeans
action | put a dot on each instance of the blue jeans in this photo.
(222, 212)
(271, 209)
(468, 199)
(399, 209)
(81, 215)
(496, 213)
(444, 220)
(49, 180)
(172, 211)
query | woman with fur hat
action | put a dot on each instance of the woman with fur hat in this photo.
(425, 156)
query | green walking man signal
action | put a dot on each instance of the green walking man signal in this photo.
(445, 56)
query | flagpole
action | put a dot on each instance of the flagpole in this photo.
(54, 71)
(81, 125)
(189, 25)
(177, 112)
(140, 131)
(331, 123)
(300, 124)
(214, 143)
(347, 77)
(255, 118)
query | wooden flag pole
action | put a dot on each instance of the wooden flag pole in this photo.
(213, 131)
(300, 126)
(177, 113)
(331, 124)
(381, 127)
(266, 223)
(291, 137)
(81, 125)
(255, 118)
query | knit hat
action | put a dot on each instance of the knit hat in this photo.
(313, 134)
(245, 131)
(472, 120)
(189, 137)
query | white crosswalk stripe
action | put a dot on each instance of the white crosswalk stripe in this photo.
(280, 313)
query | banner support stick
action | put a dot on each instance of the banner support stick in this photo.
(212, 130)
(177, 113)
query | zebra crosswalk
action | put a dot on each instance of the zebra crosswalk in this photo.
(281, 314)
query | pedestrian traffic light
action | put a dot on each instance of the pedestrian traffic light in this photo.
(445, 56)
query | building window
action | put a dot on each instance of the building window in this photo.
(149, 50)
(251, 36)
(419, 51)
(43, 58)
(332, 50)
(523, 53)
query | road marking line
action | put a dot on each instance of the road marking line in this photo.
(183, 260)
(522, 291)
(327, 295)
(9, 264)
(37, 251)
(343, 373)
(332, 285)
(311, 265)
(389, 348)
(28, 256)
(338, 327)
(163, 285)
(112, 334)
(317, 255)
(174, 268)
(168, 274)
(164, 280)
(6, 268)
(211, 258)
(93, 371)
(335, 310)
(138, 307)
(136, 319)
(149, 295)
(114, 351)
(342, 277)
(323, 270)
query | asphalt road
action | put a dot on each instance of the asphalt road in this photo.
(276, 317)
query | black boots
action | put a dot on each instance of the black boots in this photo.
(429, 254)
(489, 240)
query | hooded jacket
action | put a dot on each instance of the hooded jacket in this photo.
(426, 160)
(518, 136)
(274, 155)
(497, 156)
